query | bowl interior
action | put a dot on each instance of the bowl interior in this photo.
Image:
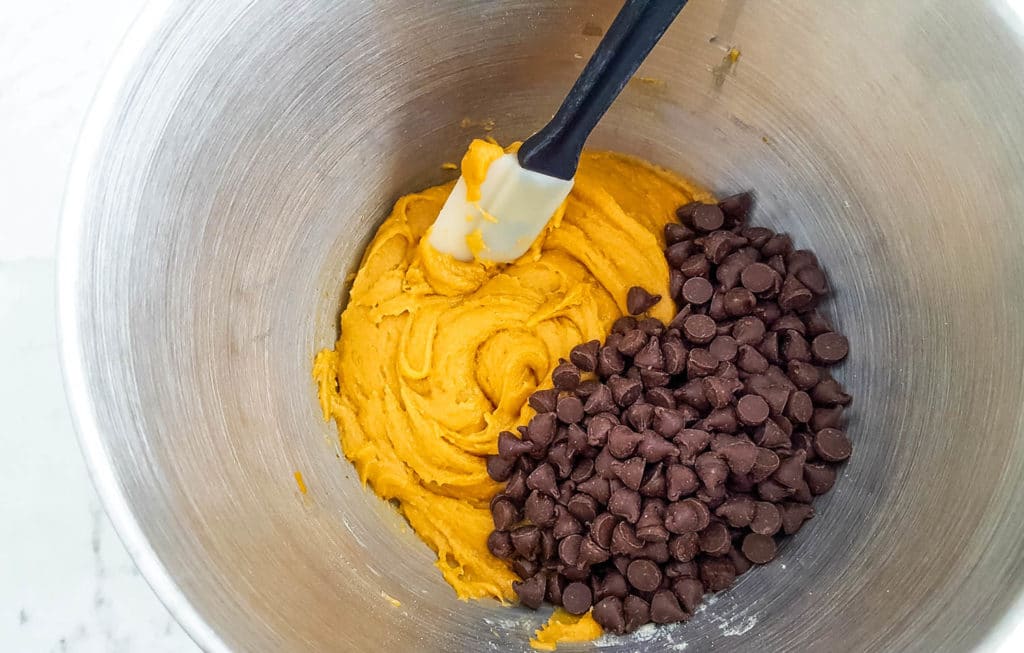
(252, 149)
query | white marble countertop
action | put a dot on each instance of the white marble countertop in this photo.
(66, 583)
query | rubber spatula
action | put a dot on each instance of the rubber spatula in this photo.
(522, 191)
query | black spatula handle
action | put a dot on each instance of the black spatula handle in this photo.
(555, 149)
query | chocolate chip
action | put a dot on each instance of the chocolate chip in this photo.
(757, 236)
(578, 441)
(526, 541)
(830, 393)
(665, 608)
(569, 549)
(716, 310)
(660, 398)
(680, 481)
(599, 401)
(609, 362)
(577, 598)
(596, 487)
(816, 323)
(624, 324)
(637, 611)
(699, 329)
(794, 515)
(695, 265)
(728, 273)
(767, 520)
(638, 300)
(715, 540)
(789, 322)
(690, 593)
(820, 477)
(602, 528)
(813, 278)
(717, 573)
(794, 295)
(832, 445)
(625, 503)
(740, 456)
(737, 207)
(758, 548)
(793, 346)
(543, 478)
(684, 547)
(752, 410)
(748, 330)
(525, 568)
(499, 543)
(585, 356)
(530, 591)
(693, 440)
(582, 507)
(697, 290)
(644, 575)
(826, 417)
(630, 472)
(654, 448)
(767, 312)
(718, 244)
(830, 348)
(758, 277)
(540, 509)
(624, 390)
(687, 516)
(738, 302)
(569, 409)
(510, 447)
(653, 378)
(738, 511)
(542, 429)
(707, 217)
(701, 363)
(515, 488)
(772, 490)
(667, 422)
(499, 468)
(632, 342)
(566, 376)
(565, 523)
(543, 401)
(791, 470)
(718, 390)
(650, 355)
(622, 441)
(803, 375)
(724, 348)
(677, 253)
(800, 408)
(611, 583)
(675, 233)
(603, 464)
(653, 484)
(625, 540)
(608, 613)
(712, 469)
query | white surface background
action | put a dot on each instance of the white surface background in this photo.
(66, 583)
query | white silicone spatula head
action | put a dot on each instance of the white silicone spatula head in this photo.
(499, 218)
(514, 206)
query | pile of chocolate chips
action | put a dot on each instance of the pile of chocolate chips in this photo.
(668, 460)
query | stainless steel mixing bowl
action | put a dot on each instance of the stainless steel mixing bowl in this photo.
(242, 153)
